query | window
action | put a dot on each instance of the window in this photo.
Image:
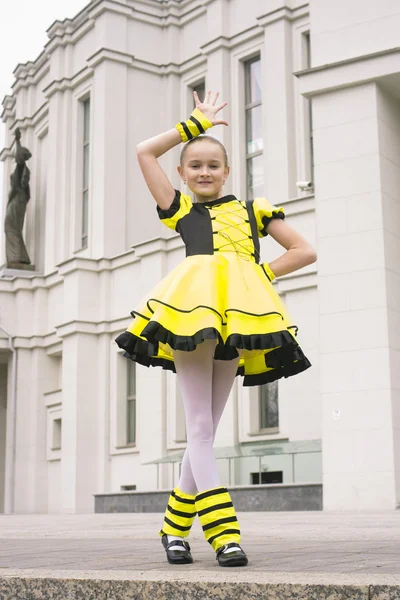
(85, 185)
(307, 65)
(254, 133)
(131, 404)
(57, 432)
(200, 88)
(268, 406)
(180, 422)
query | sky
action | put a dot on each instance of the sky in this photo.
(23, 25)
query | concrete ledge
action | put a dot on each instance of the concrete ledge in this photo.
(76, 585)
(277, 497)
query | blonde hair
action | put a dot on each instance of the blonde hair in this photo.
(207, 138)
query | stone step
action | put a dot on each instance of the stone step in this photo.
(292, 556)
(276, 497)
(39, 585)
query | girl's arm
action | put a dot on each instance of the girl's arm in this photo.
(299, 252)
(147, 153)
(150, 150)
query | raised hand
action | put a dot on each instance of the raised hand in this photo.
(209, 108)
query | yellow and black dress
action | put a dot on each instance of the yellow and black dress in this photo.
(219, 291)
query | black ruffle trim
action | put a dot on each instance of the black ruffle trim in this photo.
(173, 209)
(155, 332)
(270, 376)
(287, 359)
(267, 220)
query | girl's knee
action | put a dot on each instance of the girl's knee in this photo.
(201, 430)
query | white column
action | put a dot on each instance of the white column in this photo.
(108, 160)
(278, 109)
(3, 433)
(30, 442)
(218, 79)
(388, 110)
(356, 385)
(80, 422)
(151, 393)
(56, 148)
(219, 64)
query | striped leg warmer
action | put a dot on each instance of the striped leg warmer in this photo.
(217, 517)
(179, 515)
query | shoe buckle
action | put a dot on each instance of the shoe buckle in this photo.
(220, 550)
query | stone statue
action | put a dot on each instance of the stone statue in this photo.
(18, 198)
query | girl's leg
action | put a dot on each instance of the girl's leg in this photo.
(194, 372)
(222, 379)
(219, 520)
(195, 375)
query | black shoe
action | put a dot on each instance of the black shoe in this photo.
(237, 558)
(177, 557)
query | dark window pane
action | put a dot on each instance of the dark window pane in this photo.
(131, 422)
(269, 406)
(131, 378)
(255, 177)
(86, 167)
(85, 213)
(200, 88)
(254, 130)
(86, 120)
(253, 81)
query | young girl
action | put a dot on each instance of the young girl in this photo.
(215, 316)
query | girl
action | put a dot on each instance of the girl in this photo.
(215, 316)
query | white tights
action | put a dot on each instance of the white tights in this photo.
(205, 385)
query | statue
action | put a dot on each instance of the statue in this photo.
(18, 198)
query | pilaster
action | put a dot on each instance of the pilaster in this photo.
(278, 109)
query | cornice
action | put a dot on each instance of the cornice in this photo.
(67, 83)
(79, 326)
(34, 120)
(349, 72)
(8, 108)
(52, 341)
(297, 281)
(30, 68)
(131, 61)
(6, 153)
(69, 36)
(283, 13)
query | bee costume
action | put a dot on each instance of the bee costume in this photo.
(213, 317)
(219, 291)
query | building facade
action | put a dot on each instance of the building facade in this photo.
(313, 96)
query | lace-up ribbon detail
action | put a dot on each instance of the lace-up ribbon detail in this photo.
(232, 231)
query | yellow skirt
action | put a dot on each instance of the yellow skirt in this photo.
(222, 297)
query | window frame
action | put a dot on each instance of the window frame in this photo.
(306, 58)
(118, 409)
(194, 86)
(261, 409)
(86, 130)
(130, 399)
(304, 135)
(248, 106)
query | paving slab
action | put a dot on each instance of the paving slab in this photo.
(301, 556)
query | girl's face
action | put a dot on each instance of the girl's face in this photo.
(204, 170)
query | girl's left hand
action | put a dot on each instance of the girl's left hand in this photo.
(209, 108)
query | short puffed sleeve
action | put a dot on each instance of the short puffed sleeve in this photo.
(264, 212)
(181, 206)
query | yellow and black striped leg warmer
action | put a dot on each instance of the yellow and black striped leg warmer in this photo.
(217, 517)
(179, 515)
